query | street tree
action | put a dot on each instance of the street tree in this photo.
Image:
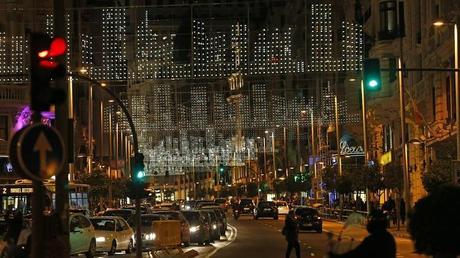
(279, 186)
(437, 175)
(252, 189)
(98, 190)
(344, 184)
(329, 177)
(298, 182)
(393, 177)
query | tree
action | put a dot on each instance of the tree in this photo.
(365, 177)
(297, 183)
(434, 223)
(252, 189)
(438, 174)
(393, 176)
(344, 184)
(98, 186)
(330, 175)
(120, 188)
(279, 186)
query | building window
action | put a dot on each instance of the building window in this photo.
(388, 20)
(4, 127)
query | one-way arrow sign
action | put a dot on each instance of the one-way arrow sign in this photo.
(38, 151)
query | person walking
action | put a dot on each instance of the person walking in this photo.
(402, 211)
(291, 233)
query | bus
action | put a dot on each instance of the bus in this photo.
(18, 196)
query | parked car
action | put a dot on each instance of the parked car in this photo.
(112, 234)
(199, 227)
(201, 203)
(283, 207)
(246, 206)
(185, 227)
(144, 209)
(82, 235)
(126, 214)
(214, 229)
(221, 217)
(266, 209)
(189, 205)
(308, 218)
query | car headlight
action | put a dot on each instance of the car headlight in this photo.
(214, 226)
(187, 207)
(194, 229)
(150, 236)
(100, 239)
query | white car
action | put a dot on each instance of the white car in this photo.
(82, 237)
(113, 234)
(283, 207)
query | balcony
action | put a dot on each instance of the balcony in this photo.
(13, 95)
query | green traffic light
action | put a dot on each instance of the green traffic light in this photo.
(373, 83)
(140, 174)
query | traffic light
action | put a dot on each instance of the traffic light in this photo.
(43, 68)
(371, 70)
(138, 177)
(221, 169)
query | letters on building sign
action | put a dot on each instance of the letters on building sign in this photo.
(348, 150)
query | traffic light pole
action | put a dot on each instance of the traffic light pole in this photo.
(136, 152)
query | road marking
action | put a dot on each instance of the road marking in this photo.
(230, 239)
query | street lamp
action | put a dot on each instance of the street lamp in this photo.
(440, 23)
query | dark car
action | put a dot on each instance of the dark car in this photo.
(221, 217)
(223, 203)
(199, 227)
(309, 219)
(214, 229)
(246, 206)
(266, 209)
(201, 203)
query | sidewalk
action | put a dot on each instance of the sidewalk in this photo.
(401, 233)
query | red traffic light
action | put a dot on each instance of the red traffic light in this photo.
(57, 47)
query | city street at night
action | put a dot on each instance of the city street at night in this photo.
(229, 128)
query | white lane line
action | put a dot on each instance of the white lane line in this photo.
(230, 239)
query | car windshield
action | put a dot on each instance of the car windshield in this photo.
(146, 221)
(126, 214)
(246, 202)
(306, 212)
(266, 204)
(103, 224)
(192, 217)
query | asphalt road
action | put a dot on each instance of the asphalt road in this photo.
(263, 238)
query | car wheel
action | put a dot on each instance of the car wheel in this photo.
(275, 218)
(92, 249)
(130, 247)
(320, 230)
(113, 248)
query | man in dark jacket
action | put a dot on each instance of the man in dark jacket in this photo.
(291, 232)
(379, 244)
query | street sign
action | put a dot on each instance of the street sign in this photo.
(38, 151)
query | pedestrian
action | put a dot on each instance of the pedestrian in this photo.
(379, 244)
(402, 211)
(291, 233)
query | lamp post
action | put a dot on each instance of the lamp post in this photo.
(457, 86)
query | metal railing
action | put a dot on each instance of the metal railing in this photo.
(337, 214)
